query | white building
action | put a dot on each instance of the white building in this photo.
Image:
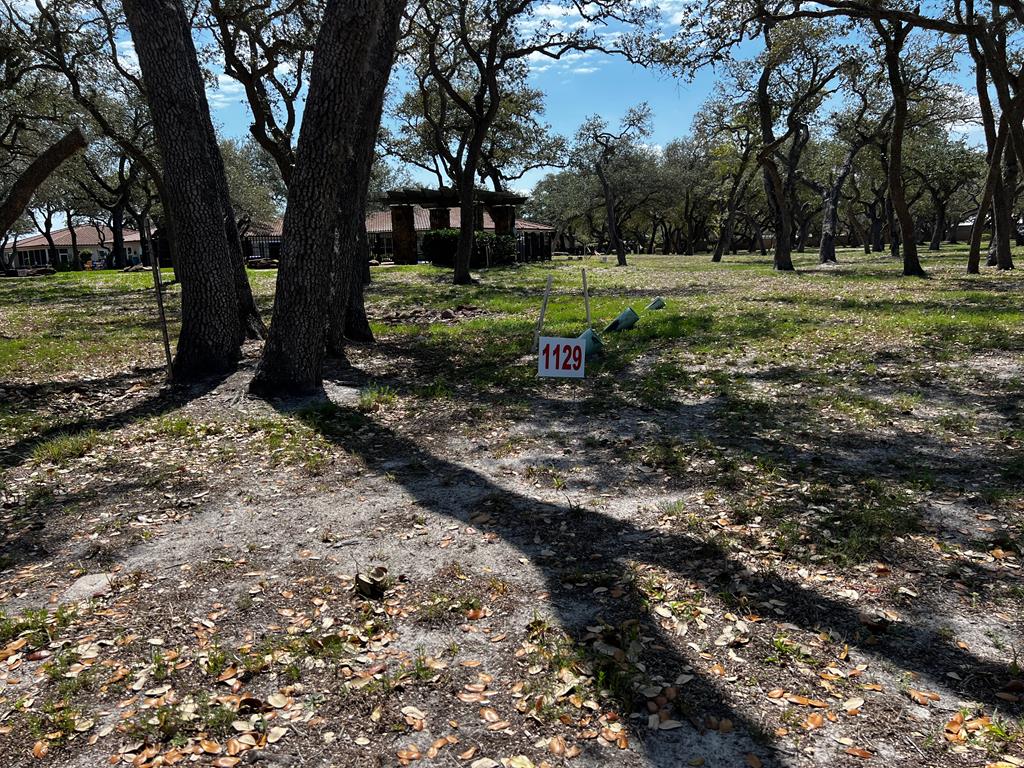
(96, 241)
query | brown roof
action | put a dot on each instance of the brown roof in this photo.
(380, 221)
(86, 235)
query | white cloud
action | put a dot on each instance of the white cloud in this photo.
(127, 56)
(225, 93)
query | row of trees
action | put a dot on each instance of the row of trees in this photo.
(128, 81)
(705, 192)
(810, 50)
(840, 122)
(102, 188)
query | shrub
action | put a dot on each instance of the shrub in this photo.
(440, 245)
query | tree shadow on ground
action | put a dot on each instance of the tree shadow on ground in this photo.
(165, 400)
(600, 538)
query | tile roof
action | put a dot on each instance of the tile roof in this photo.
(379, 222)
(86, 234)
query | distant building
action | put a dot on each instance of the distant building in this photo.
(533, 239)
(35, 251)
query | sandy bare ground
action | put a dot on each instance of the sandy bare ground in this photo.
(717, 551)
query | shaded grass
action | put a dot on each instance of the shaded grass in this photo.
(796, 375)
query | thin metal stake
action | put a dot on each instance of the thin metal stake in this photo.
(154, 261)
(586, 295)
(540, 320)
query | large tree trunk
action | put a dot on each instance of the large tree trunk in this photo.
(773, 185)
(725, 236)
(467, 224)
(829, 225)
(76, 257)
(1007, 225)
(783, 251)
(830, 206)
(37, 172)
(1000, 241)
(877, 239)
(893, 40)
(609, 207)
(762, 249)
(803, 234)
(211, 329)
(940, 225)
(357, 324)
(117, 258)
(294, 353)
(736, 193)
(348, 312)
(992, 179)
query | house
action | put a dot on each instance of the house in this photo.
(97, 241)
(412, 212)
(396, 234)
(533, 239)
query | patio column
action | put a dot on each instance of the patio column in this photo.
(403, 232)
(440, 218)
(504, 219)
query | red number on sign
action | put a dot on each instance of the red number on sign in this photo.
(547, 355)
(577, 358)
(567, 361)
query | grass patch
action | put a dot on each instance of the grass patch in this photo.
(62, 448)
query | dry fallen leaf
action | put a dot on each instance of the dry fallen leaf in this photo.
(853, 705)
(858, 752)
(924, 698)
(814, 720)
(557, 745)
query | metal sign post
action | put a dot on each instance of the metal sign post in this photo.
(154, 262)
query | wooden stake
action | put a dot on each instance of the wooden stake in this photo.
(540, 320)
(586, 295)
(154, 261)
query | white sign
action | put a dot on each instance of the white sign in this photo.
(561, 358)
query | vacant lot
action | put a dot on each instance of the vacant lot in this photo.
(780, 523)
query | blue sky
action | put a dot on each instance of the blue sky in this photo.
(579, 85)
(576, 86)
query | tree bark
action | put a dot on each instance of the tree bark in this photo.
(357, 324)
(293, 355)
(76, 259)
(348, 312)
(35, 174)
(773, 185)
(211, 329)
(725, 236)
(609, 207)
(893, 42)
(830, 205)
(1007, 225)
(939, 229)
(117, 257)
(992, 178)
